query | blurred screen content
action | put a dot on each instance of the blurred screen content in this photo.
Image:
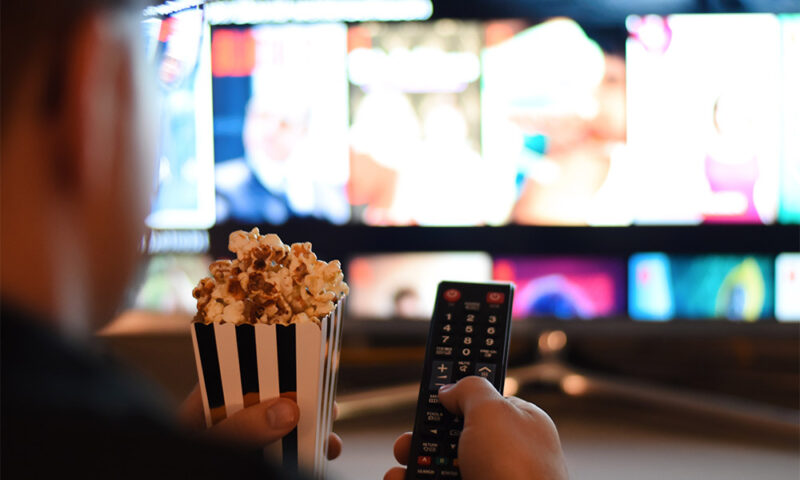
(403, 285)
(168, 281)
(280, 122)
(787, 287)
(554, 122)
(178, 49)
(789, 204)
(415, 150)
(705, 100)
(564, 287)
(733, 287)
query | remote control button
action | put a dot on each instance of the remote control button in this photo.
(441, 461)
(495, 298)
(453, 446)
(444, 339)
(489, 342)
(440, 374)
(491, 330)
(467, 340)
(442, 351)
(455, 420)
(430, 447)
(472, 306)
(424, 460)
(486, 370)
(464, 367)
(454, 433)
(425, 472)
(447, 328)
(455, 462)
(492, 319)
(452, 295)
(488, 353)
(470, 318)
(433, 416)
(466, 352)
(433, 399)
(448, 316)
(431, 431)
(448, 473)
(469, 329)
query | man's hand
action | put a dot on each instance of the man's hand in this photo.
(504, 438)
(255, 426)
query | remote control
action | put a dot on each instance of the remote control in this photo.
(469, 335)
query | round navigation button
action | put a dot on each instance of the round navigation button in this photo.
(452, 295)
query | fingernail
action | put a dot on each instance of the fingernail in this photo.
(447, 387)
(282, 414)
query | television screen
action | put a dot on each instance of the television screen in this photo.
(789, 205)
(415, 151)
(709, 104)
(280, 122)
(787, 286)
(734, 287)
(681, 119)
(564, 287)
(403, 285)
(168, 281)
(178, 48)
(553, 105)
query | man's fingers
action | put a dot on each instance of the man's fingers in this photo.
(395, 473)
(470, 392)
(191, 413)
(260, 424)
(402, 447)
(334, 446)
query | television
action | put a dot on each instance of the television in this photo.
(603, 155)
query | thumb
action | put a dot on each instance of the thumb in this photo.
(260, 424)
(468, 394)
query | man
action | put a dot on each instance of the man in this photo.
(76, 175)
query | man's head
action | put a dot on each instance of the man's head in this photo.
(76, 156)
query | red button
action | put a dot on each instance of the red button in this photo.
(495, 297)
(452, 295)
(424, 461)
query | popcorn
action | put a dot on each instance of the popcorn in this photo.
(269, 282)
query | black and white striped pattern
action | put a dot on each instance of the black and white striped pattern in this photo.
(241, 365)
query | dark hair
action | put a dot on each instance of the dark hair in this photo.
(40, 29)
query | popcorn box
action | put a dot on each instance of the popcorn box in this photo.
(241, 365)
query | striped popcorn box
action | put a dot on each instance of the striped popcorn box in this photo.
(241, 365)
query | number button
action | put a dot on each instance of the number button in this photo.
(469, 329)
(467, 340)
(448, 316)
(492, 319)
(471, 318)
(466, 352)
(489, 342)
(491, 331)
(445, 339)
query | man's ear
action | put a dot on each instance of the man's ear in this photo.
(95, 98)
